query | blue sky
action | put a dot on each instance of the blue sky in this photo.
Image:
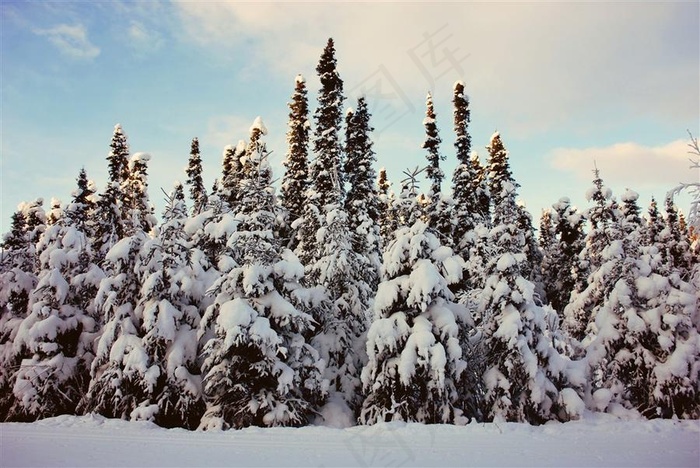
(564, 83)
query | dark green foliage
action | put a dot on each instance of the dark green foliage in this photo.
(198, 193)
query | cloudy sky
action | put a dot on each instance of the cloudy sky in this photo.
(567, 85)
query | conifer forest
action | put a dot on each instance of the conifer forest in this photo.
(254, 302)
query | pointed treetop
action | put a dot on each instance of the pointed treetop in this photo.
(459, 84)
(495, 135)
(349, 111)
(258, 125)
(299, 79)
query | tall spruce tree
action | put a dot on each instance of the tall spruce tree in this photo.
(258, 368)
(296, 177)
(111, 214)
(433, 171)
(198, 193)
(362, 201)
(592, 282)
(467, 215)
(326, 192)
(523, 371)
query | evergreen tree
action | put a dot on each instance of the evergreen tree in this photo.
(296, 177)
(562, 244)
(467, 213)
(433, 171)
(198, 193)
(81, 210)
(258, 368)
(643, 349)
(481, 187)
(121, 362)
(326, 169)
(326, 192)
(532, 269)
(500, 179)
(55, 339)
(137, 205)
(387, 217)
(231, 174)
(168, 302)
(651, 231)
(592, 282)
(407, 206)
(111, 214)
(522, 368)
(416, 370)
(362, 201)
(675, 248)
(17, 281)
(524, 372)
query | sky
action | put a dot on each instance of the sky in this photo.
(569, 86)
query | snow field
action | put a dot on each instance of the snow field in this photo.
(596, 440)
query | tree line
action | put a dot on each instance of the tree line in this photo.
(246, 307)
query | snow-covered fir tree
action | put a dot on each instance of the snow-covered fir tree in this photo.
(170, 292)
(407, 206)
(198, 193)
(674, 243)
(416, 369)
(137, 207)
(522, 367)
(437, 215)
(121, 361)
(325, 170)
(362, 201)
(231, 174)
(55, 339)
(643, 348)
(120, 358)
(591, 282)
(296, 177)
(18, 278)
(387, 213)
(532, 270)
(561, 244)
(81, 210)
(467, 215)
(653, 226)
(110, 227)
(258, 368)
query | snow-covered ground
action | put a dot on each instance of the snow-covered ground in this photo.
(597, 440)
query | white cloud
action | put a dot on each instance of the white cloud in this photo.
(637, 166)
(533, 65)
(71, 40)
